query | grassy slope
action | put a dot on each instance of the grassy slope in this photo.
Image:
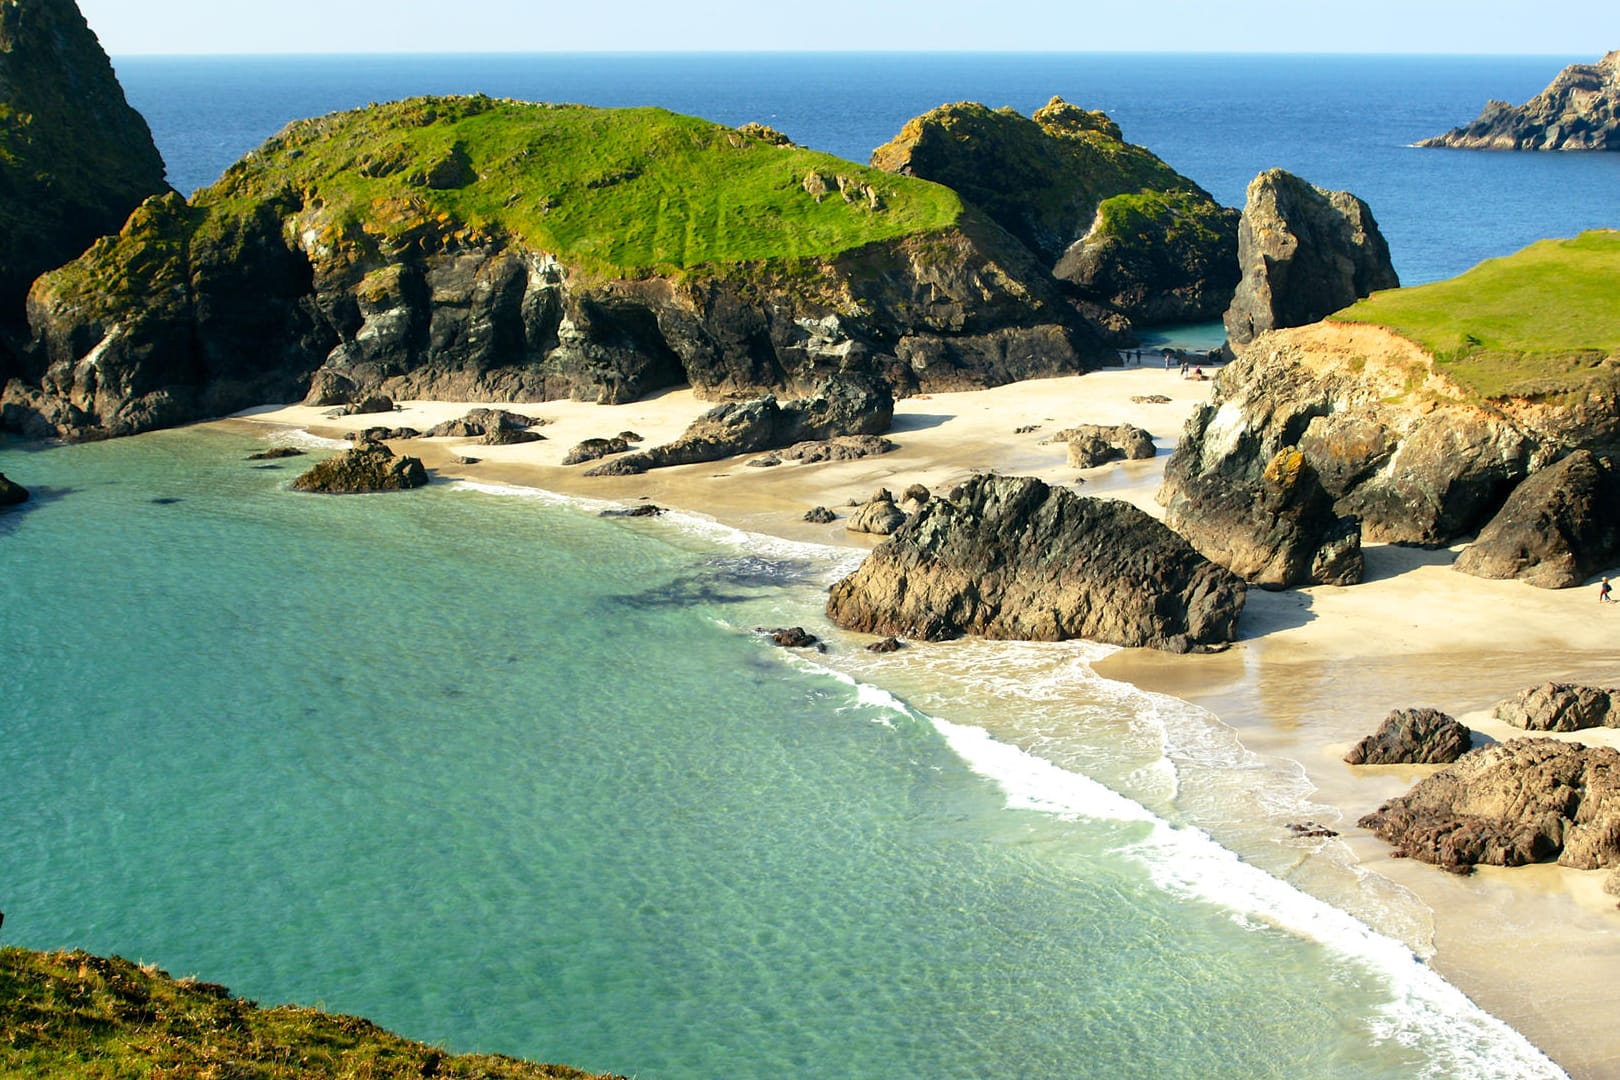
(73, 1016)
(1545, 320)
(617, 191)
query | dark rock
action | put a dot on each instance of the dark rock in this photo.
(366, 466)
(769, 461)
(1310, 830)
(885, 645)
(820, 515)
(328, 387)
(791, 637)
(1555, 706)
(1509, 804)
(505, 436)
(640, 510)
(1304, 253)
(275, 453)
(370, 403)
(1150, 399)
(479, 423)
(11, 492)
(468, 460)
(1579, 110)
(596, 449)
(843, 448)
(1557, 528)
(629, 436)
(1413, 737)
(1026, 429)
(1010, 557)
(384, 434)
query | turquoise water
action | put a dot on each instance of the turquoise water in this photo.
(504, 775)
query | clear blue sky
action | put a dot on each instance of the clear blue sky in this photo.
(1583, 28)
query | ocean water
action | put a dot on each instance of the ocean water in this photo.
(505, 775)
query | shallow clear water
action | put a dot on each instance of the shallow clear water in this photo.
(501, 774)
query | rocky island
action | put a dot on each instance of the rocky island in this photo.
(1579, 110)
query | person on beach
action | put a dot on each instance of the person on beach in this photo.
(1168, 357)
(1603, 593)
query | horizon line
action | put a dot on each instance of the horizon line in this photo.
(1408, 54)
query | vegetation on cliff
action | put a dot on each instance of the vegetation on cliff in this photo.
(1539, 323)
(74, 1016)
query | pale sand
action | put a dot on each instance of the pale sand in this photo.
(1315, 670)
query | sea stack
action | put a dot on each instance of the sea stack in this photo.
(1579, 110)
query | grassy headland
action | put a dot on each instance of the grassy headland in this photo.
(74, 1016)
(1542, 322)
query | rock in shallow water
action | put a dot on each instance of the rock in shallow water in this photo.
(365, 467)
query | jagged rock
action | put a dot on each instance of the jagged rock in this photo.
(820, 515)
(1509, 804)
(1278, 532)
(1304, 253)
(1555, 706)
(75, 159)
(842, 448)
(1091, 445)
(640, 510)
(1010, 557)
(1413, 737)
(328, 387)
(385, 434)
(1579, 110)
(11, 492)
(1556, 529)
(595, 449)
(885, 645)
(1131, 236)
(366, 466)
(878, 516)
(791, 637)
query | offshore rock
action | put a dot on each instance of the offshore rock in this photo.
(1557, 528)
(75, 159)
(1304, 253)
(1413, 737)
(1123, 229)
(1579, 110)
(11, 492)
(365, 467)
(1509, 804)
(1011, 558)
(1555, 706)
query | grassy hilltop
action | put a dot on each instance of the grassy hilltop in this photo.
(619, 192)
(1541, 322)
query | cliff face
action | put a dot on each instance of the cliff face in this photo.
(1579, 110)
(498, 250)
(1116, 223)
(75, 159)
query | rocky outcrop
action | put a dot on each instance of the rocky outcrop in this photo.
(1304, 253)
(841, 448)
(1555, 706)
(1091, 445)
(844, 405)
(1010, 557)
(1509, 804)
(596, 449)
(332, 262)
(1413, 737)
(879, 515)
(1123, 229)
(367, 466)
(483, 423)
(1557, 528)
(75, 159)
(11, 492)
(1579, 110)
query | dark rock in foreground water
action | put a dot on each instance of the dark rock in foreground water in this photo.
(367, 466)
(1011, 558)
(11, 493)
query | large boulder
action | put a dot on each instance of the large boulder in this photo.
(1413, 737)
(1512, 803)
(1124, 230)
(1304, 253)
(1556, 529)
(1555, 706)
(365, 467)
(1010, 557)
(75, 159)
(1091, 445)
(1579, 110)
(11, 492)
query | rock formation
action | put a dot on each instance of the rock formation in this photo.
(75, 159)
(1509, 804)
(11, 492)
(1304, 253)
(1091, 445)
(1126, 231)
(367, 466)
(340, 258)
(1555, 706)
(1579, 110)
(1010, 557)
(1413, 737)
(1557, 528)
(877, 516)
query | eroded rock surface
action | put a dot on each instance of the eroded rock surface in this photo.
(1579, 110)
(1559, 526)
(365, 467)
(1413, 737)
(1555, 706)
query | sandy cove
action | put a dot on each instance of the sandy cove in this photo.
(1314, 670)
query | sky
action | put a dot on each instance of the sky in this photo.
(1582, 28)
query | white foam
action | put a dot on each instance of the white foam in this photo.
(305, 440)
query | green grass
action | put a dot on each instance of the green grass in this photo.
(618, 191)
(73, 1016)
(1540, 323)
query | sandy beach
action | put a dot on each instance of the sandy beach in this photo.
(1314, 670)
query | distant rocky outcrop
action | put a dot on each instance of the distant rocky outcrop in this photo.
(1579, 110)
(11, 492)
(1413, 737)
(1304, 253)
(1555, 706)
(1010, 557)
(1126, 231)
(365, 467)
(1557, 528)
(1512, 803)
(75, 159)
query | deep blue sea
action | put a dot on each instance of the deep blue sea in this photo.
(504, 775)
